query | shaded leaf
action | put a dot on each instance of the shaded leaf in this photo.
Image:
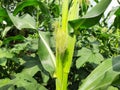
(3, 14)
(5, 31)
(24, 4)
(13, 38)
(87, 55)
(117, 12)
(117, 19)
(34, 3)
(31, 65)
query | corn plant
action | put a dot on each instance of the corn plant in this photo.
(65, 42)
(57, 64)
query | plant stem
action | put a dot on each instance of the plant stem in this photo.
(61, 80)
(59, 72)
(63, 62)
(37, 17)
(62, 77)
(65, 80)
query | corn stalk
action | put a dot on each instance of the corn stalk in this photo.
(65, 44)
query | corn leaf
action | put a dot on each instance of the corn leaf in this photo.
(4, 16)
(103, 75)
(21, 81)
(27, 3)
(92, 17)
(25, 21)
(86, 55)
(45, 53)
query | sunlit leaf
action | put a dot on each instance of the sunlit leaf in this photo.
(5, 53)
(45, 53)
(19, 47)
(21, 81)
(4, 82)
(5, 31)
(92, 17)
(25, 21)
(112, 88)
(103, 75)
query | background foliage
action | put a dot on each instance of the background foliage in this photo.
(23, 22)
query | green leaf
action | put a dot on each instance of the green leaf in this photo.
(19, 47)
(21, 81)
(3, 14)
(112, 88)
(45, 53)
(24, 4)
(117, 12)
(25, 21)
(116, 83)
(92, 17)
(116, 22)
(103, 75)
(3, 61)
(5, 31)
(86, 55)
(34, 3)
(31, 65)
(4, 53)
(117, 19)
(13, 38)
(4, 81)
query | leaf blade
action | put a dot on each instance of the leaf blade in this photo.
(25, 21)
(92, 17)
(45, 54)
(102, 76)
